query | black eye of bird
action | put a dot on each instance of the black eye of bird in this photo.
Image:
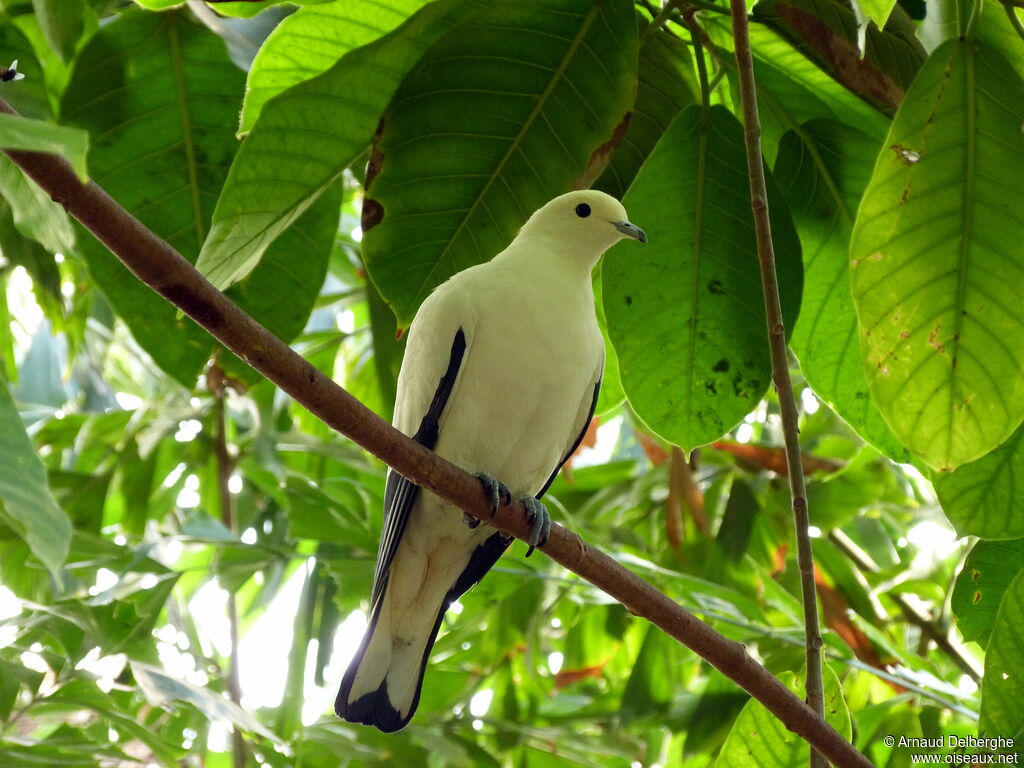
(583, 210)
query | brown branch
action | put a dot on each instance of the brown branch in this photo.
(165, 271)
(780, 362)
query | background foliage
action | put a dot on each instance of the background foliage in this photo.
(185, 556)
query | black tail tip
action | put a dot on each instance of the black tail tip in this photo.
(373, 709)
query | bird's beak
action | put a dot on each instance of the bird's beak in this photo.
(631, 230)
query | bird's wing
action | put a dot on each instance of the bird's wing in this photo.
(428, 377)
(586, 413)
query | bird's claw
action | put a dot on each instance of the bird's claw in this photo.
(536, 513)
(496, 490)
(540, 521)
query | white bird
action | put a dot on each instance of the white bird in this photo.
(500, 377)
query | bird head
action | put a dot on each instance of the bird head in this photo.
(588, 221)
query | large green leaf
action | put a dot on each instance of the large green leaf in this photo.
(664, 86)
(982, 582)
(62, 24)
(1002, 688)
(822, 169)
(937, 259)
(132, 89)
(26, 504)
(687, 319)
(759, 739)
(327, 31)
(499, 116)
(306, 136)
(984, 498)
(135, 88)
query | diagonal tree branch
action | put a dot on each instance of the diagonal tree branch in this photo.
(164, 270)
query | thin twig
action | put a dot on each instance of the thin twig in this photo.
(780, 363)
(227, 515)
(164, 270)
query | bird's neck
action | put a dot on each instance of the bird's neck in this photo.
(551, 260)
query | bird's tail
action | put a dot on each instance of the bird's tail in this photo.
(382, 684)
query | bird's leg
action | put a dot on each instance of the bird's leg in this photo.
(538, 516)
(497, 490)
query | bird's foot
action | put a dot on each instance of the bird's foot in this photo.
(498, 493)
(540, 521)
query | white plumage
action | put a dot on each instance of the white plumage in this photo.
(500, 376)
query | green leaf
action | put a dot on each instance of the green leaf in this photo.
(687, 319)
(388, 350)
(983, 498)
(35, 215)
(611, 395)
(162, 690)
(499, 116)
(294, 266)
(759, 739)
(165, 161)
(822, 169)
(62, 24)
(876, 62)
(877, 10)
(938, 256)
(161, 160)
(27, 505)
(995, 29)
(304, 139)
(792, 90)
(664, 86)
(1002, 687)
(327, 32)
(28, 95)
(17, 132)
(78, 694)
(738, 520)
(654, 678)
(982, 582)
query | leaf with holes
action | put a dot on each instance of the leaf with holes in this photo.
(1002, 687)
(822, 168)
(937, 259)
(982, 582)
(687, 320)
(502, 114)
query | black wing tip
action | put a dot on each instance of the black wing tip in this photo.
(373, 709)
